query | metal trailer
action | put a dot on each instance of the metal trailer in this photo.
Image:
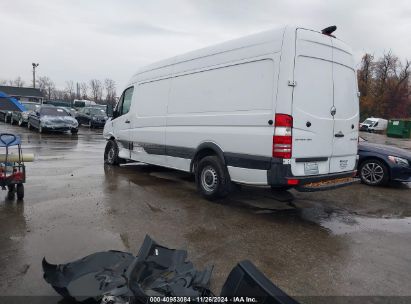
(12, 168)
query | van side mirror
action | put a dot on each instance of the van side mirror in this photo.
(109, 110)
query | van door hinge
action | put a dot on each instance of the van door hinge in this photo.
(292, 83)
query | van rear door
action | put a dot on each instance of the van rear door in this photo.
(346, 105)
(325, 106)
(312, 104)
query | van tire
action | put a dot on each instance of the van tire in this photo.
(111, 153)
(212, 178)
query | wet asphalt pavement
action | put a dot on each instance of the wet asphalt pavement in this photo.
(350, 241)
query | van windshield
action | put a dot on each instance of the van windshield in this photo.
(97, 111)
(30, 106)
(53, 112)
(79, 104)
(368, 122)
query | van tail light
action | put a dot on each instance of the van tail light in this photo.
(292, 181)
(283, 139)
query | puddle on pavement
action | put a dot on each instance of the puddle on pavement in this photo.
(358, 224)
(341, 222)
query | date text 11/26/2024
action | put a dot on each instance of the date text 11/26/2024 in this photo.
(203, 300)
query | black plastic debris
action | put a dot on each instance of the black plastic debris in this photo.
(115, 277)
(246, 281)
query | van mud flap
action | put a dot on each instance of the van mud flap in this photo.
(328, 184)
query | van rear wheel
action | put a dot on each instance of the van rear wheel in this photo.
(111, 153)
(212, 178)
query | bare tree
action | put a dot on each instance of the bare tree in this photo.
(18, 82)
(42, 83)
(365, 74)
(110, 86)
(84, 90)
(46, 86)
(59, 94)
(3, 82)
(70, 90)
(96, 89)
(385, 86)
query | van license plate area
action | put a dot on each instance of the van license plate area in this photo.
(311, 168)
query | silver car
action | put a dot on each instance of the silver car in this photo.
(21, 118)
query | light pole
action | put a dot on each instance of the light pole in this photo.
(35, 65)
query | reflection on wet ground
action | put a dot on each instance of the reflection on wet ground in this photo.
(350, 241)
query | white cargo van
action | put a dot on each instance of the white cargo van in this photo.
(374, 125)
(279, 109)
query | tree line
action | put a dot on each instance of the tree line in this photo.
(384, 84)
(96, 90)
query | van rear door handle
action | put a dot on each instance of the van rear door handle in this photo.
(339, 134)
(127, 121)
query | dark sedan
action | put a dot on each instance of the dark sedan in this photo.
(379, 164)
(92, 117)
(51, 118)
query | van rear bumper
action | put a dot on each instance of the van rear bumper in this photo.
(280, 175)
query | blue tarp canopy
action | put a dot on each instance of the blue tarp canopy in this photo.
(7, 140)
(8, 103)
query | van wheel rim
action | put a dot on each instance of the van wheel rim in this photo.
(110, 155)
(209, 179)
(372, 173)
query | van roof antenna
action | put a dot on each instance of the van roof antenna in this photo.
(329, 30)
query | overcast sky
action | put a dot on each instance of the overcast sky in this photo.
(83, 39)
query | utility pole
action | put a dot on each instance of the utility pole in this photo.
(35, 65)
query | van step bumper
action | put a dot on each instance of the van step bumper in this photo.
(328, 184)
(280, 175)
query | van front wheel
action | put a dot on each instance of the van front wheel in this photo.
(111, 153)
(212, 178)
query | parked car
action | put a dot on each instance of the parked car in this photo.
(378, 164)
(21, 118)
(257, 110)
(93, 117)
(51, 118)
(101, 106)
(374, 125)
(70, 110)
(5, 115)
(8, 105)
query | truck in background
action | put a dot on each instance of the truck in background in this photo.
(374, 125)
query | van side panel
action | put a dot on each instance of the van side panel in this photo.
(148, 122)
(240, 87)
(229, 106)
